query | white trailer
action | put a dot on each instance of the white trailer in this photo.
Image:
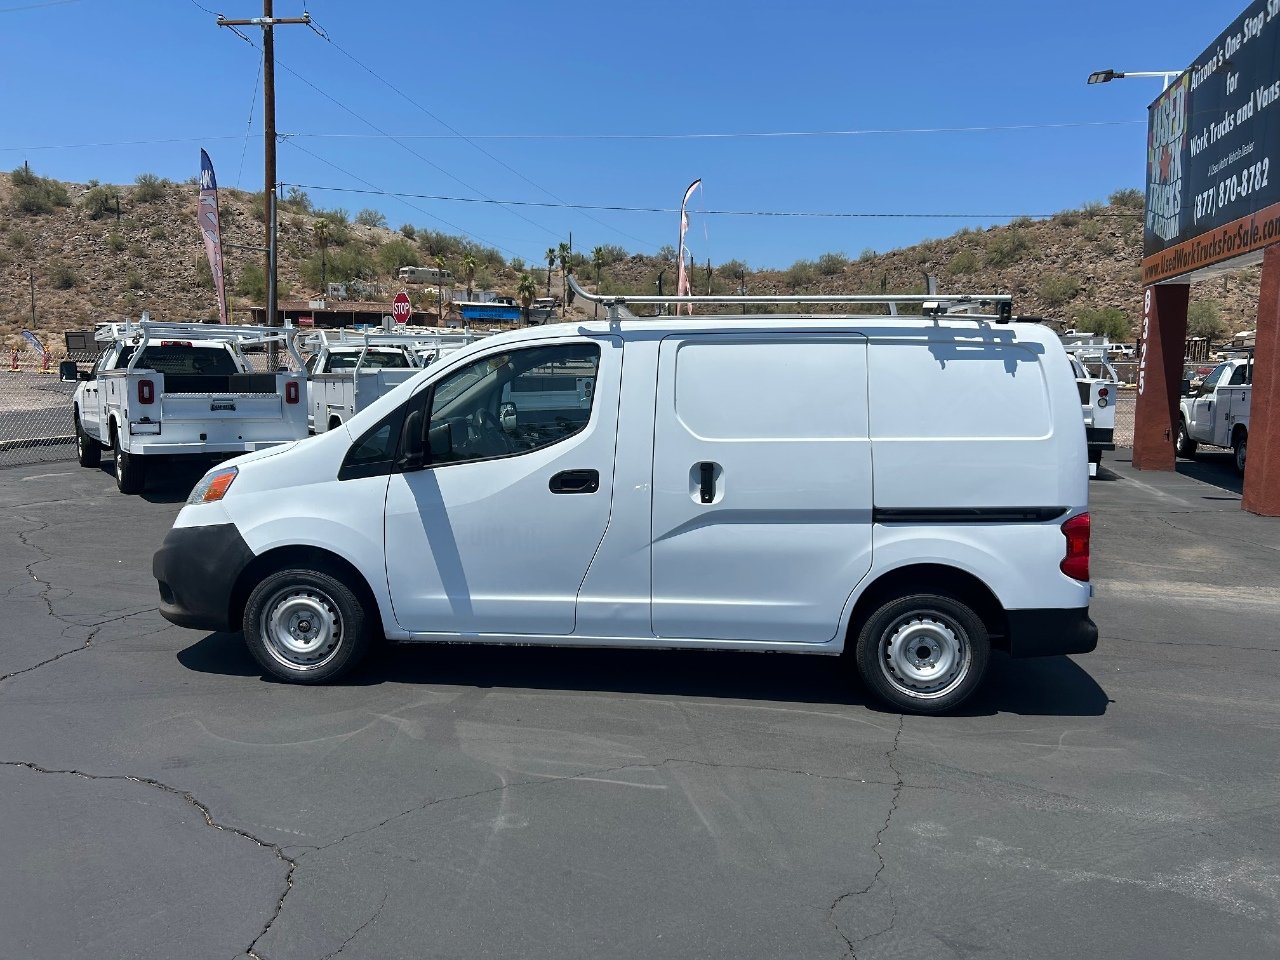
(182, 390)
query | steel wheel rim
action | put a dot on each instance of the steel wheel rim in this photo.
(925, 654)
(1241, 452)
(301, 627)
(119, 462)
(79, 442)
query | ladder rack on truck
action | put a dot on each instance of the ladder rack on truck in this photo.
(164, 390)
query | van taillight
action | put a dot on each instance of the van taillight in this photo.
(146, 391)
(291, 392)
(1076, 563)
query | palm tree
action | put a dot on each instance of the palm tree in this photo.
(551, 262)
(469, 272)
(526, 291)
(563, 253)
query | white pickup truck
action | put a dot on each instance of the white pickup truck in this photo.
(163, 389)
(348, 374)
(1217, 413)
(1099, 386)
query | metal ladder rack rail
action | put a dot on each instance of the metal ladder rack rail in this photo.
(146, 330)
(931, 304)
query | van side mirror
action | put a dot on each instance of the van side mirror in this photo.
(440, 440)
(68, 372)
(411, 445)
(1186, 386)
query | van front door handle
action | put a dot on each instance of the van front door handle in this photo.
(575, 481)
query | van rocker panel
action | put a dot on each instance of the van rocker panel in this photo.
(196, 569)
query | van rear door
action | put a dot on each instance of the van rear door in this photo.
(761, 509)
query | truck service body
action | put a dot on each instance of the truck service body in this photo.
(1217, 414)
(166, 390)
(807, 484)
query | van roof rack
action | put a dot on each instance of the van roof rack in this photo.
(957, 305)
(146, 330)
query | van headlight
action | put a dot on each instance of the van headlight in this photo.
(214, 486)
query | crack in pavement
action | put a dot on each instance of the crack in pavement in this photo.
(1194, 643)
(359, 930)
(208, 819)
(875, 848)
(46, 587)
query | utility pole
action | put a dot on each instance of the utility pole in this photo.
(268, 22)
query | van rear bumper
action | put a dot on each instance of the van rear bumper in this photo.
(1048, 633)
(196, 568)
(1100, 438)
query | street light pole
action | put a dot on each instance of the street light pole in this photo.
(1106, 76)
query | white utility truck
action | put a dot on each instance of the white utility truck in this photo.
(1099, 388)
(181, 389)
(1217, 413)
(795, 483)
(347, 372)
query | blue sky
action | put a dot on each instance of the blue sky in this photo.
(103, 71)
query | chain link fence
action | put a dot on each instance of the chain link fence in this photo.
(35, 416)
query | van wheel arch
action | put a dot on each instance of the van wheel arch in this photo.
(310, 558)
(932, 578)
(335, 422)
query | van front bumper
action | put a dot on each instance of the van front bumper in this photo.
(196, 569)
(1048, 633)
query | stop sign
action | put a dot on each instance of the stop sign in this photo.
(401, 308)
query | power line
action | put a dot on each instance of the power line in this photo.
(752, 135)
(37, 6)
(400, 143)
(253, 100)
(498, 160)
(896, 215)
(311, 135)
(374, 189)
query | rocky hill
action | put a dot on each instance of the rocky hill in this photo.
(98, 252)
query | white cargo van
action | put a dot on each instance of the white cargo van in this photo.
(911, 491)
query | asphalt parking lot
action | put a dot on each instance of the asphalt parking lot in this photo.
(160, 798)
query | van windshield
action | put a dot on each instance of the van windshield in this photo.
(174, 360)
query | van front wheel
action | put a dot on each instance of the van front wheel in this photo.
(923, 653)
(305, 626)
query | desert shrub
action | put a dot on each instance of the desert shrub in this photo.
(1090, 229)
(158, 233)
(115, 243)
(1067, 218)
(133, 280)
(964, 262)
(829, 264)
(1007, 247)
(1109, 322)
(1091, 209)
(18, 240)
(394, 254)
(252, 282)
(340, 265)
(1204, 320)
(371, 218)
(148, 187)
(1020, 222)
(866, 255)
(1056, 289)
(801, 273)
(297, 200)
(204, 275)
(62, 276)
(1128, 199)
(612, 253)
(23, 177)
(35, 194)
(408, 231)
(99, 201)
(139, 251)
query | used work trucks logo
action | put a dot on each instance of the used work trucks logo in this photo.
(1166, 155)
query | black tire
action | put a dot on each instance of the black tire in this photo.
(305, 626)
(1185, 446)
(938, 637)
(88, 450)
(131, 470)
(1095, 456)
(1241, 447)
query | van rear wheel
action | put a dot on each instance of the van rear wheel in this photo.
(1241, 448)
(305, 626)
(923, 653)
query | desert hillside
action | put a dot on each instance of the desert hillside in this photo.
(99, 252)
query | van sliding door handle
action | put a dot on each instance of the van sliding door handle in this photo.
(707, 482)
(575, 481)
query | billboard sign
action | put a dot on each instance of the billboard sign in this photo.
(1213, 193)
